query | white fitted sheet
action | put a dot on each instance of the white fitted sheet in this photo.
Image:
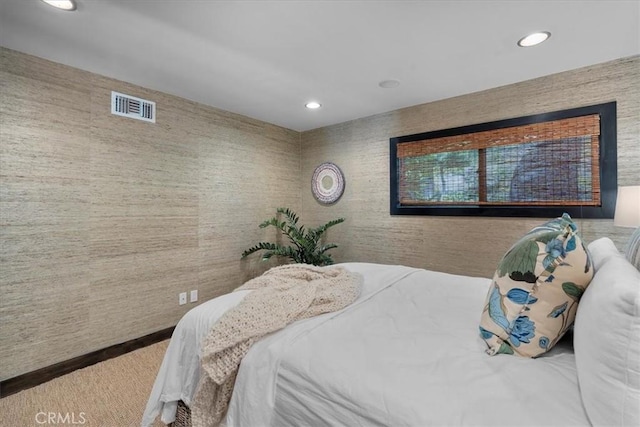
(179, 372)
(406, 353)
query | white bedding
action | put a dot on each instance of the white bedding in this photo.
(406, 353)
(179, 372)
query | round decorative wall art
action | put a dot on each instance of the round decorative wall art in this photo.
(327, 183)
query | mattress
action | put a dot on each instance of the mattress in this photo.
(406, 353)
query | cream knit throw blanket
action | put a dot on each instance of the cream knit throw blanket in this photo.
(281, 296)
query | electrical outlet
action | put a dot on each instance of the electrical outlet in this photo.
(182, 298)
(194, 296)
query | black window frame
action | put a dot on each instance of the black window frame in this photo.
(608, 169)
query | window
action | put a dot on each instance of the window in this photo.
(540, 165)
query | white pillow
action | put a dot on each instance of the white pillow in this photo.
(601, 250)
(607, 339)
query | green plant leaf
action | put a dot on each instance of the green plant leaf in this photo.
(558, 310)
(573, 290)
(258, 247)
(325, 248)
(305, 241)
(546, 236)
(505, 349)
(521, 258)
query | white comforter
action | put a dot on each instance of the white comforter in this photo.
(406, 353)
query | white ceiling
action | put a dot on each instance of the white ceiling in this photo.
(266, 59)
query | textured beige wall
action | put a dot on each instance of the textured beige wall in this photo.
(105, 219)
(461, 245)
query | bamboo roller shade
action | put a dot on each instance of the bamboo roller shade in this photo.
(544, 131)
(537, 132)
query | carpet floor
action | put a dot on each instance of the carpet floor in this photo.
(112, 393)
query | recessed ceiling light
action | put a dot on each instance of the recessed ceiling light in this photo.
(313, 105)
(534, 39)
(67, 5)
(388, 84)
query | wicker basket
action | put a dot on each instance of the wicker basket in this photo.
(183, 416)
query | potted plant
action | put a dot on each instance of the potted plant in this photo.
(305, 247)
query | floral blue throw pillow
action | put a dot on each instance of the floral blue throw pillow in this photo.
(535, 291)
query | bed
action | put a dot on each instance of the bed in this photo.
(407, 352)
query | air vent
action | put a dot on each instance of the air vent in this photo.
(130, 106)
